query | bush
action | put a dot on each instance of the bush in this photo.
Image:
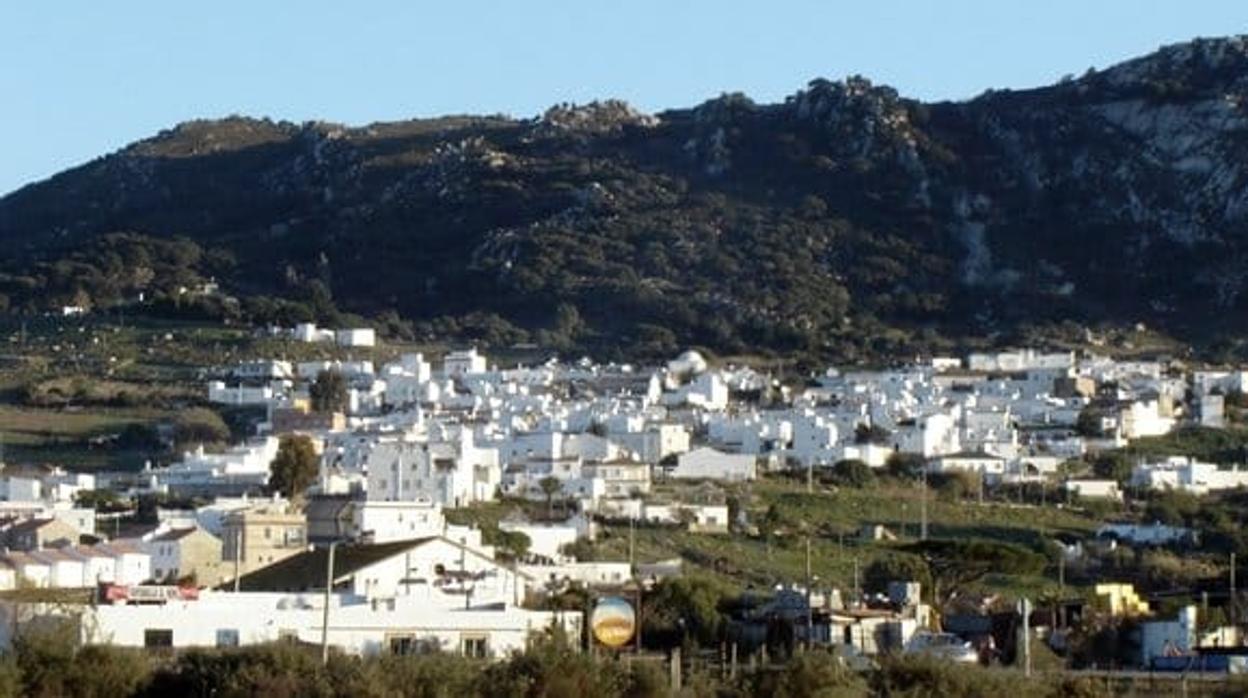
(953, 486)
(48, 662)
(199, 426)
(815, 673)
(905, 465)
(853, 473)
(904, 675)
(552, 668)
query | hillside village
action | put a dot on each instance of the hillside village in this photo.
(487, 497)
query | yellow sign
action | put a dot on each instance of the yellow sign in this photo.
(613, 621)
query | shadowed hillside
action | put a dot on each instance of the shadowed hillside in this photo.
(847, 221)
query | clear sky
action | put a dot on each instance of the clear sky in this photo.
(80, 78)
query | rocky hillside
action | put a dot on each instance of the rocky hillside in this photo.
(846, 220)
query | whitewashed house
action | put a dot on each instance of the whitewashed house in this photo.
(709, 464)
(1187, 474)
(356, 337)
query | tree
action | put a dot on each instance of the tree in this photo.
(295, 466)
(100, 500)
(329, 392)
(680, 607)
(953, 564)
(871, 434)
(1112, 465)
(550, 487)
(1089, 423)
(895, 568)
(509, 545)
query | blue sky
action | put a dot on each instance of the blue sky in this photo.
(82, 78)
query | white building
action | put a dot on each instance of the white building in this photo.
(1095, 489)
(356, 337)
(310, 333)
(454, 473)
(709, 464)
(239, 395)
(546, 540)
(463, 363)
(240, 469)
(384, 522)
(1181, 473)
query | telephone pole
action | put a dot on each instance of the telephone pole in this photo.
(632, 545)
(1234, 606)
(923, 508)
(238, 554)
(329, 586)
(810, 614)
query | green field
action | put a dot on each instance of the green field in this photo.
(832, 518)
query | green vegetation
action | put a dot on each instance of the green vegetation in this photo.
(1228, 445)
(46, 662)
(114, 390)
(782, 515)
(846, 221)
(329, 392)
(295, 466)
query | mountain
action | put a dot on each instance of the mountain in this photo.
(847, 220)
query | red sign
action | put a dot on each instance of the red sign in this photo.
(121, 593)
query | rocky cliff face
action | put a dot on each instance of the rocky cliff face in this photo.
(847, 210)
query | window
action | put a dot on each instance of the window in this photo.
(288, 635)
(268, 533)
(157, 638)
(405, 644)
(476, 646)
(227, 637)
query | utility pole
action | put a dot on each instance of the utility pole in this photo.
(923, 508)
(238, 554)
(810, 476)
(1234, 606)
(632, 546)
(1061, 585)
(1061, 572)
(857, 594)
(329, 586)
(810, 614)
(1024, 608)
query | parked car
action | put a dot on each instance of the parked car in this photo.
(943, 645)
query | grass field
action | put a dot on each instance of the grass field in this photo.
(25, 426)
(832, 517)
(61, 437)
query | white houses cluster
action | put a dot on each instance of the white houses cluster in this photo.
(418, 439)
(466, 431)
